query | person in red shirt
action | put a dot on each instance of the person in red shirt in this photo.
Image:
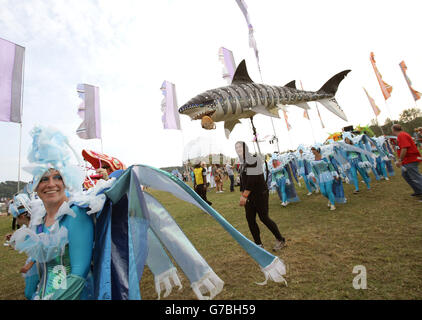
(409, 158)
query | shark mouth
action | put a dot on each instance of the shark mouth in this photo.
(200, 115)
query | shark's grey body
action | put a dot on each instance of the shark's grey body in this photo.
(244, 98)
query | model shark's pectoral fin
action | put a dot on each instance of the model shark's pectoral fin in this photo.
(273, 112)
(241, 74)
(228, 127)
(303, 105)
(332, 105)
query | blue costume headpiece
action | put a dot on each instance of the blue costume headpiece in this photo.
(348, 135)
(51, 150)
(20, 205)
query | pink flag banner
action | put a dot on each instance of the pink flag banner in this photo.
(320, 119)
(11, 81)
(416, 95)
(375, 108)
(286, 118)
(385, 87)
(89, 111)
(305, 112)
(229, 66)
(252, 43)
(170, 116)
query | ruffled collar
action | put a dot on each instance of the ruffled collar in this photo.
(39, 213)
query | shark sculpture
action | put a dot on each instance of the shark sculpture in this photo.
(244, 99)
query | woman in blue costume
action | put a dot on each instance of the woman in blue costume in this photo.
(384, 144)
(60, 236)
(284, 184)
(132, 230)
(304, 170)
(357, 163)
(381, 157)
(328, 179)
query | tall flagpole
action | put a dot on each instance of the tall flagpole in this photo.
(20, 124)
(309, 118)
(389, 111)
(19, 163)
(272, 122)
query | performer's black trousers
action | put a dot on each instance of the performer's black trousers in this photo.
(259, 204)
(202, 191)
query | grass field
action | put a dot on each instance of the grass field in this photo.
(380, 229)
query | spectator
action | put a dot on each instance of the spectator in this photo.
(409, 158)
(419, 137)
(230, 173)
(218, 177)
(200, 173)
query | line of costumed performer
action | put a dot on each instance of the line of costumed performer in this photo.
(95, 244)
(327, 177)
(303, 159)
(254, 195)
(281, 178)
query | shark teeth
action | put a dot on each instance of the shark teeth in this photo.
(202, 114)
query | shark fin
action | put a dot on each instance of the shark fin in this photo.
(241, 74)
(291, 84)
(332, 105)
(331, 85)
(266, 112)
(228, 127)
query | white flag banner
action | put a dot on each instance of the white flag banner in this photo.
(89, 111)
(170, 116)
(11, 81)
(229, 66)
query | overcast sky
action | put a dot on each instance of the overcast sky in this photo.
(128, 48)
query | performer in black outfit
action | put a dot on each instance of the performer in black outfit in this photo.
(254, 195)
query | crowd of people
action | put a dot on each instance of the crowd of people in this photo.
(324, 168)
(56, 228)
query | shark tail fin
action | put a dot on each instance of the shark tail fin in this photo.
(332, 105)
(331, 86)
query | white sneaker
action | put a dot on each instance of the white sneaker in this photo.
(279, 245)
(386, 179)
(284, 204)
(332, 207)
(317, 191)
(329, 204)
(309, 193)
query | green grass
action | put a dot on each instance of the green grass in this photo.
(380, 229)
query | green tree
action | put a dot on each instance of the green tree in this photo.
(410, 114)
